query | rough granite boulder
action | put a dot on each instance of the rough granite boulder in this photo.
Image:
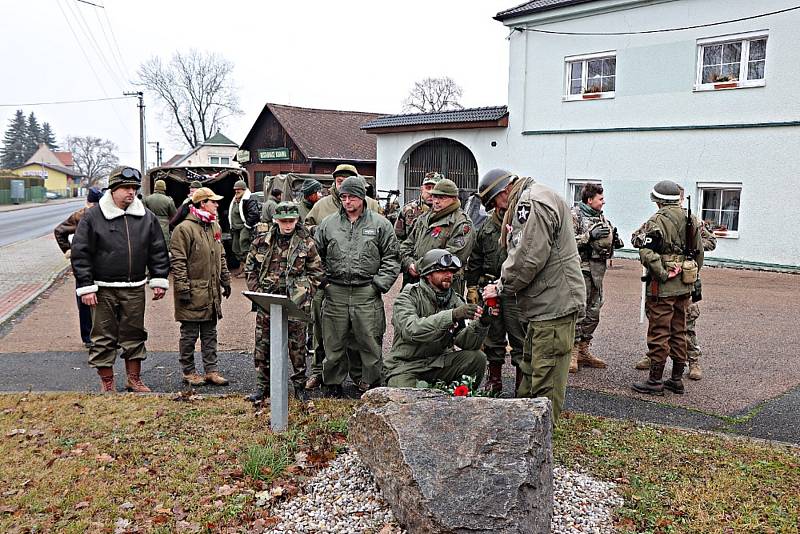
(458, 464)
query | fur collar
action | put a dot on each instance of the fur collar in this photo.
(111, 211)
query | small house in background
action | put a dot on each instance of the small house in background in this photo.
(216, 150)
(287, 139)
(57, 169)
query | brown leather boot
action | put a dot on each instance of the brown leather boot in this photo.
(695, 371)
(587, 359)
(653, 386)
(643, 364)
(494, 380)
(675, 382)
(134, 383)
(313, 382)
(216, 379)
(106, 379)
(573, 359)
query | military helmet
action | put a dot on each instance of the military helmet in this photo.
(666, 192)
(445, 188)
(121, 176)
(286, 210)
(347, 170)
(432, 178)
(438, 259)
(492, 184)
(195, 184)
(161, 186)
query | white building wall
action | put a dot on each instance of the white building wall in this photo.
(201, 155)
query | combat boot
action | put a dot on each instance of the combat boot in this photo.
(587, 359)
(193, 379)
(494, 382)
(695, 371)
(573, 359)
(106, 379)
(134, 383)
(643, 364)
(653, 386)
(675, 383)
(216, 379)
(313, 382)
(261, 393)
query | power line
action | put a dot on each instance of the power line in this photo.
(119, 66)
(116, 43)
(663, 30)
(87, 32)
(64, 102)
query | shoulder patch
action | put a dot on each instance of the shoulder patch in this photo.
(523, 212)
(459, 241)
(467, 229)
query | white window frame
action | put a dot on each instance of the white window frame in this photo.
(702, 187)
(584, 95)
(742, 82)
(219, 159)
(578, 183)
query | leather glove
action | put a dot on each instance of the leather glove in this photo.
(226, 291)
(472, 294)
(465, 311)
(599, 232)
(185, 298)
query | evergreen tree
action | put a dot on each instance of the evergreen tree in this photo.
(13, 153)
(33, 136)
(48, 137)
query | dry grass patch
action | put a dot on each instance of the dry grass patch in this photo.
(91, 463)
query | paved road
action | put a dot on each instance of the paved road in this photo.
(30, 223)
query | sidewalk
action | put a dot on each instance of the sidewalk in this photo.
(27, 268)
(27, 205)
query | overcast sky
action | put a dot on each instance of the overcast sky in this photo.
(353, 55)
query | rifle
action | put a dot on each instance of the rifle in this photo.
(690, 248)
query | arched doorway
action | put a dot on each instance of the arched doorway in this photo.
(446, 156)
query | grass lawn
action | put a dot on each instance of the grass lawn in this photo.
(78, 463)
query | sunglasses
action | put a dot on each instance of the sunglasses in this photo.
(129, 172)
(448, 260)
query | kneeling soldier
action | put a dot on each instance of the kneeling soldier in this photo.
(429, 321)
(283, 260)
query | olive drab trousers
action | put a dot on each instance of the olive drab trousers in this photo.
(207, 332)
(693, 351)
(456, 364)
(545, 361)
(509, 323)
(353, 323)
(118, 321)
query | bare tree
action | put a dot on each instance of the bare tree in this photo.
(94, 157)
(196, 90)
(433, 94)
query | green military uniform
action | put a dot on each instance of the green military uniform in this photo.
(662, 245)
(693, 351)
(162, 206)
(268, 209)
(449, 229)
(240, 234)
(483, 267)
(361, 263)
(426, 337)
(331, 204)
(543, 272)
(304, 208)
(408, 216)
(283, 265)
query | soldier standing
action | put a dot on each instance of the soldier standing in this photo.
(311, 189)
(429, 321)
(419, 206)
(360, 254)
(242, 216)
(597, 238)
(667, 256)
(543, 272)
(270, 203)
(446, 226)
(201, 279)
(118, 244)
(162, 206)
(183, 209)
(283, 260)
(483, 267)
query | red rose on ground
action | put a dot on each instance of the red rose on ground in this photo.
(461, 391)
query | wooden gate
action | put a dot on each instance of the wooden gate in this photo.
(451, 158)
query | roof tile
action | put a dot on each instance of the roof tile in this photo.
(442, 117)
(535, 6)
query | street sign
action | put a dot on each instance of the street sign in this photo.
(280, 308)
(270, 154)
(243, 156)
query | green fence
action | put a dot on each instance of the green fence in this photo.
(34, 190)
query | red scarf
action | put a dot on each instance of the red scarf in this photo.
(207, 218)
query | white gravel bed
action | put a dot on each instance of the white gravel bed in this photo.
(343, 499)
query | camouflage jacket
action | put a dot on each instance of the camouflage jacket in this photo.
(661, 243)
(487, 255)
(452, 232)
(303, 275)
(590, 250)
(408, 215)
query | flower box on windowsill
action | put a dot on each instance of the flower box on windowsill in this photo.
(588, 96)
(726, 85)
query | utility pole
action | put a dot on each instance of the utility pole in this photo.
(140, 95)
(159, 151)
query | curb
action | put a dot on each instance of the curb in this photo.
(33, 296)
(29, 205)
